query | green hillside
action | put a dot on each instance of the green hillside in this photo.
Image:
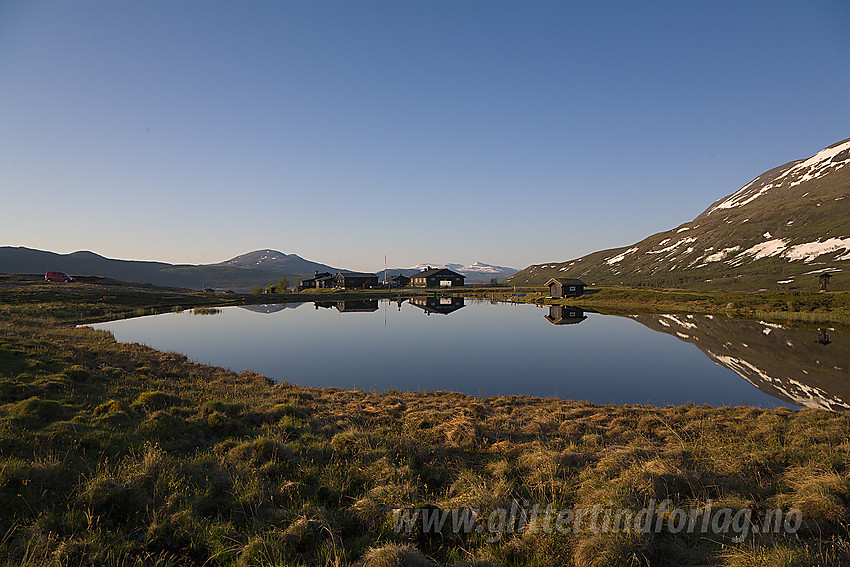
(780, 231)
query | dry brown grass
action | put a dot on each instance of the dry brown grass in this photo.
(117, 454)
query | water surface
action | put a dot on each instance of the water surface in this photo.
(488, 349)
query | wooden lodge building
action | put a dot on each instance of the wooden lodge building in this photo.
(356, 280)
(351, 280)
(565, 287)
(437, 277)
(399, 281)
(319, 280)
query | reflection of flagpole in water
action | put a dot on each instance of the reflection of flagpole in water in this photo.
(387, 283)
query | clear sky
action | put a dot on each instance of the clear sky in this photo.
(433, 131)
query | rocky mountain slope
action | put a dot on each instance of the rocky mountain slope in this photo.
(779, 231)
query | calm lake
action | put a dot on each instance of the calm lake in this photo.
(485, 349)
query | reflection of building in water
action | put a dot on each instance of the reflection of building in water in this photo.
(350, 305)
(357, 305)
(785, 363)
(267, 308)
(431, 304)
(565, 315)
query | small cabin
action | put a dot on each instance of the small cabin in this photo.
(437, 277)
(565, 287)
(823, 280)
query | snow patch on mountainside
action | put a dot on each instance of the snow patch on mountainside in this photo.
(820, 163)
(811, 250)
(619, 257)
(826, 161)
(672, 246)
(807, 251)
(764, 249)
(718, 256)
(742, 197)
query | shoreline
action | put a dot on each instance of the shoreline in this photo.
(122, 451)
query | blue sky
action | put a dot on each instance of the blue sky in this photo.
(506, 132)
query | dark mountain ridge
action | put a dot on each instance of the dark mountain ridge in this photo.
(237, 277)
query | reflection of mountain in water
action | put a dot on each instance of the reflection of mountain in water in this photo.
(793, 365)
(350, 305)
(565, 315)
(269, 307)
(443, 305)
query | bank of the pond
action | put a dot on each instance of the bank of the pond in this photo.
(120, 454)
(790, 306)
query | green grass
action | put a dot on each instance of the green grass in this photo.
(118, 454)
(786, 307)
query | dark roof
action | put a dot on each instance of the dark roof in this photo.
(435, 271)
(566, 281)
(398, 277)
(317, 277)
(358, 275)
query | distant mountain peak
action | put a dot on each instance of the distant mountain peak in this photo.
(256, 256)
(277, 261)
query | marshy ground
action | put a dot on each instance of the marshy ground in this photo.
(117, 454)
